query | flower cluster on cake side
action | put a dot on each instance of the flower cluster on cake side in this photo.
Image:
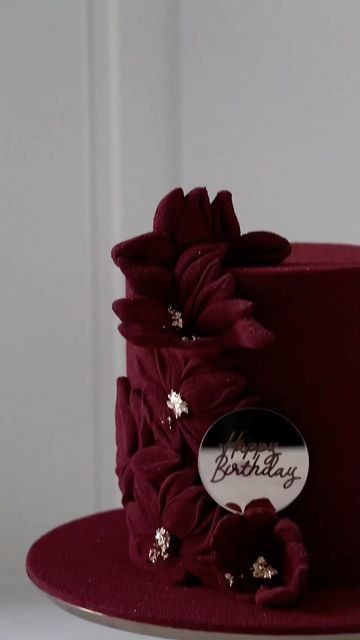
(186, 322)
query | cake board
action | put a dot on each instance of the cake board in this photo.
(171, 633)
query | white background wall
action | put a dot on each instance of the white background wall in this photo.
(105, 105)
(270, 96)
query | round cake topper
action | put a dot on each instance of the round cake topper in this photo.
(253, 453)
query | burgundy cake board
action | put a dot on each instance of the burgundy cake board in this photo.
(84, 566)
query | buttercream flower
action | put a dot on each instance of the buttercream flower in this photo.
(174, 524)
(182, 221)
(179, 293)
(183, 395)
(191, 219)
(258, 553)
(182, 306)
(184, 514)
(195, 307)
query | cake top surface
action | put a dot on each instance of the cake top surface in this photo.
(337, 255)
(312, 256)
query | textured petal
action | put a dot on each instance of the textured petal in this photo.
(223, 314)
(144, 515)
(148, 280)
(225, 225)
(230, 543)
(221, 288)
(126, 485)
(145, 432)
(260, 511)
(295, 572)
(185, 220)
(175, 484)
(150, 248)
(195, 223)
(168, 213)
(180, 513)
(140, 310)
(287, 531)
(144, 336)
(170, 367)
(140, 537)
(193, 264)
(155, 463)
(188, 300)
(259, 247)
(213, 390)
(155, 371)
(238, 539)
(247, 333)
(126, 431)
(191, 219)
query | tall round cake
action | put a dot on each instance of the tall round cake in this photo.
(218, 322)
(237, 435)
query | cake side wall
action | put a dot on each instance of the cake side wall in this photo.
(312, 375)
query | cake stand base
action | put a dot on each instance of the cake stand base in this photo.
(170, 633)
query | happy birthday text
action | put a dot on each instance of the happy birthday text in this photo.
(252, 462)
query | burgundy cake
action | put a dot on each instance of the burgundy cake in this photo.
(218, 324)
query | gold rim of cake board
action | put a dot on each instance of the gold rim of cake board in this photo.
(173, 633)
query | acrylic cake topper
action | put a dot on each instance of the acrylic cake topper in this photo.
(253, 453)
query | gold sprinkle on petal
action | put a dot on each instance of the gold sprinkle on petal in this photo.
(162, 537)
(176, 318)
(176, 403)
(262, 570)
(160, 548)
(154, 555)
(230, 578)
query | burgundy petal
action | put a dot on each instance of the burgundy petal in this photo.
(295, 571)
(140, 534)
(145, 432)
(204, 253)
(149, 280)
(225, 225)
(155, 463)
(185, 220)
(195, 224)
(180, 513)
(149, 248)
(126, 485)
(259, 247)
(213, 390)
(220, 315)
(175, 484)
(138, 310)
(247, 333)
(168, 213)
(144, 336)
(126, 432)
(230, 543)
(144, 515)
(222, 288)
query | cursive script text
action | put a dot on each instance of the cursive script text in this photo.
(269, 466)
